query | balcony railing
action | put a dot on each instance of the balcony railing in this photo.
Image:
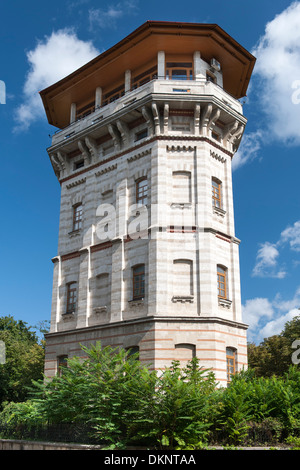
(157, 86)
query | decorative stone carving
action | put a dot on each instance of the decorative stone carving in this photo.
(218, 157)
(100, 310)
(218, 211)
(136, 303)
(183, 298)
(225, 303)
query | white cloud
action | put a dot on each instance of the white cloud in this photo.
(267, 318)
(249, 149)
(103, 18)
(269, 253)
(52, 59)
(256, 309)
(292, 236)
(278, 67)
(275, 327)
(266, 262)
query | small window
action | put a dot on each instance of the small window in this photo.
(230, 362)
(216, 193)
(215, 136)
(71, 297)
(142, 191)
(77, 217)
(79, 164)
(138, 282)
(141, 135)
(62, 362)
(133, 350)
(222, 282)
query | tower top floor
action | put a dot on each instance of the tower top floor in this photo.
(156, 50)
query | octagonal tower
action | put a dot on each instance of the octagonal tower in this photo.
(147, 254)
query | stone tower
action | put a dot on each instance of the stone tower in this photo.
(147, 254)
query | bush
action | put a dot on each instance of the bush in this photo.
(124, 403)
(252, 406)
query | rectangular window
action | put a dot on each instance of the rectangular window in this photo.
(77, 217)
(144, 77)
(133, 351)
(222, 282)
(85, 110)
(141, 135)
(142, 191)
(179, 71)
(71, 297)
(62, 362)
(138, 282)
(231, 362)
(216, 193)
(79, 164)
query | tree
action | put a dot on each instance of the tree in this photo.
(126, 402)
(24, 359)
(273, 356)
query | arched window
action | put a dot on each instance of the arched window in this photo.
(231, 362)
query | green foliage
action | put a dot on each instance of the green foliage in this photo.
(16, 414)
(177, 414)
(127, 403)
(270, 401)
(273, 356)
(101, 390)
(24, 360)
(294, 442)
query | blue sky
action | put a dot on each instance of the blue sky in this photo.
(43, 41)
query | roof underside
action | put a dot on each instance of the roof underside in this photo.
(141, 47)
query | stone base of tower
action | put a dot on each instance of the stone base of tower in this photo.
(160, 340)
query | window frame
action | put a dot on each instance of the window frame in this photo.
(222, 283)
(141, 196)
(173, 67)
(77, 217)
(231, 357)
(71, 304)
(216, 186)
(62, 361)
(141, 134)
(138, 291)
